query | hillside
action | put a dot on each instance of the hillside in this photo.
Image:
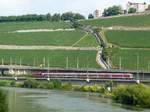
(13, 26)
(54, 38)
(136, 20)
(126, 41)
(131, 39)
(55, 58)
(56, 43)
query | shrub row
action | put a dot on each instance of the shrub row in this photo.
(3, 102)
(136, 95)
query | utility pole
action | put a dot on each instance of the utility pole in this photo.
(67, 62)
(34, 62)
(148, 66)
(138, 80)
(48, 65)
(77, 62)
(44, 61)
(120, 63)
(20, 61)
(87, 63)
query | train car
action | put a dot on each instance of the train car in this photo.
(67, 75)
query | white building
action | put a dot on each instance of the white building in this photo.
(140, 7)
(97, 14)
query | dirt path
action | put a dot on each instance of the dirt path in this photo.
(127, 28)
(126, 48)
(40, 30)
(15, 47)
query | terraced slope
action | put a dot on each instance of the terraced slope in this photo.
(19, 43)
(128, 59)
(136, 20)
(12, 26)
(131, 39)
(58, 38)
(127, 40)
(55, 58)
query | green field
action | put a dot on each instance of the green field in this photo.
(133, 39)
(59, 38)
(56, 58)
(12, 26)
(130, 58)
(139, 20)
(88, 41)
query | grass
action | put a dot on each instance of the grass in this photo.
(138, 20)
(56, 58)
(12, 26)
(41, 38)
(133, 39)
(59, 38)
(88, 41)
(130, 58)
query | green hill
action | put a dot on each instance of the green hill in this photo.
(55, 58)
(126, 43)
(57, 38)
(131, 39)
(136, 20)
(67, 39)
(13, 26)
(129, 59)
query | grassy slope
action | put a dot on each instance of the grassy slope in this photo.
(129, 59)
(12, 26)
(59, 38)
(41, 38)
(57, 58)
(127, 39)
(134, 39)
(89, 41)
(142, 20)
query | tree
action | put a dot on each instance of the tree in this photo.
(48, 17)
(132, 10)
(111, 11)
(90, 16)
(78, 16)
(56, 17)
(68, 16)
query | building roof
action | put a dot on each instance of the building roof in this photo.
(132, 3)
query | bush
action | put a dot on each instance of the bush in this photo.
(85, 88)
(57, 84)
(136, 95)
(4, 83)
(30, 83)
(46, 85)
(67, 86)
(3, 102)
(19, 84)
(93, 88)
(13, 83)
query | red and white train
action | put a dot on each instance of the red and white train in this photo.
(84, 75)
